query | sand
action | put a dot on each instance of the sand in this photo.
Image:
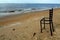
(27, 26)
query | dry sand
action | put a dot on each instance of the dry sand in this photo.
(27, 27)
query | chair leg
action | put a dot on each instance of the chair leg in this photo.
(51, 29)
(44, 24)
(41, 26)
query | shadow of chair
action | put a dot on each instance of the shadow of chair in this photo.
(48, 20)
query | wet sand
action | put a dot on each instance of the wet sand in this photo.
(27, 27)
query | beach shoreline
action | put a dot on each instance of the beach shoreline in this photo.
(2, 15)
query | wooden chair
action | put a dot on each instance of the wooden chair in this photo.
(48, 20)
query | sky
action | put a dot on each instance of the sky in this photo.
(30, 1)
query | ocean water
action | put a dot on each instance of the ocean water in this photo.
(5, 7)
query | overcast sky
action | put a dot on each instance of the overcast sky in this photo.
(30, 1)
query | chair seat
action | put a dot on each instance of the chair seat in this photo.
(46, 19)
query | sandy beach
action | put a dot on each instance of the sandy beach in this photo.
(23, 26)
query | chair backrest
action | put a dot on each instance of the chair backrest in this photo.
(51, 14)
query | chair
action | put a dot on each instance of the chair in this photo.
(48, 20)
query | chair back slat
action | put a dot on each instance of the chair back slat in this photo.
(51, 14)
